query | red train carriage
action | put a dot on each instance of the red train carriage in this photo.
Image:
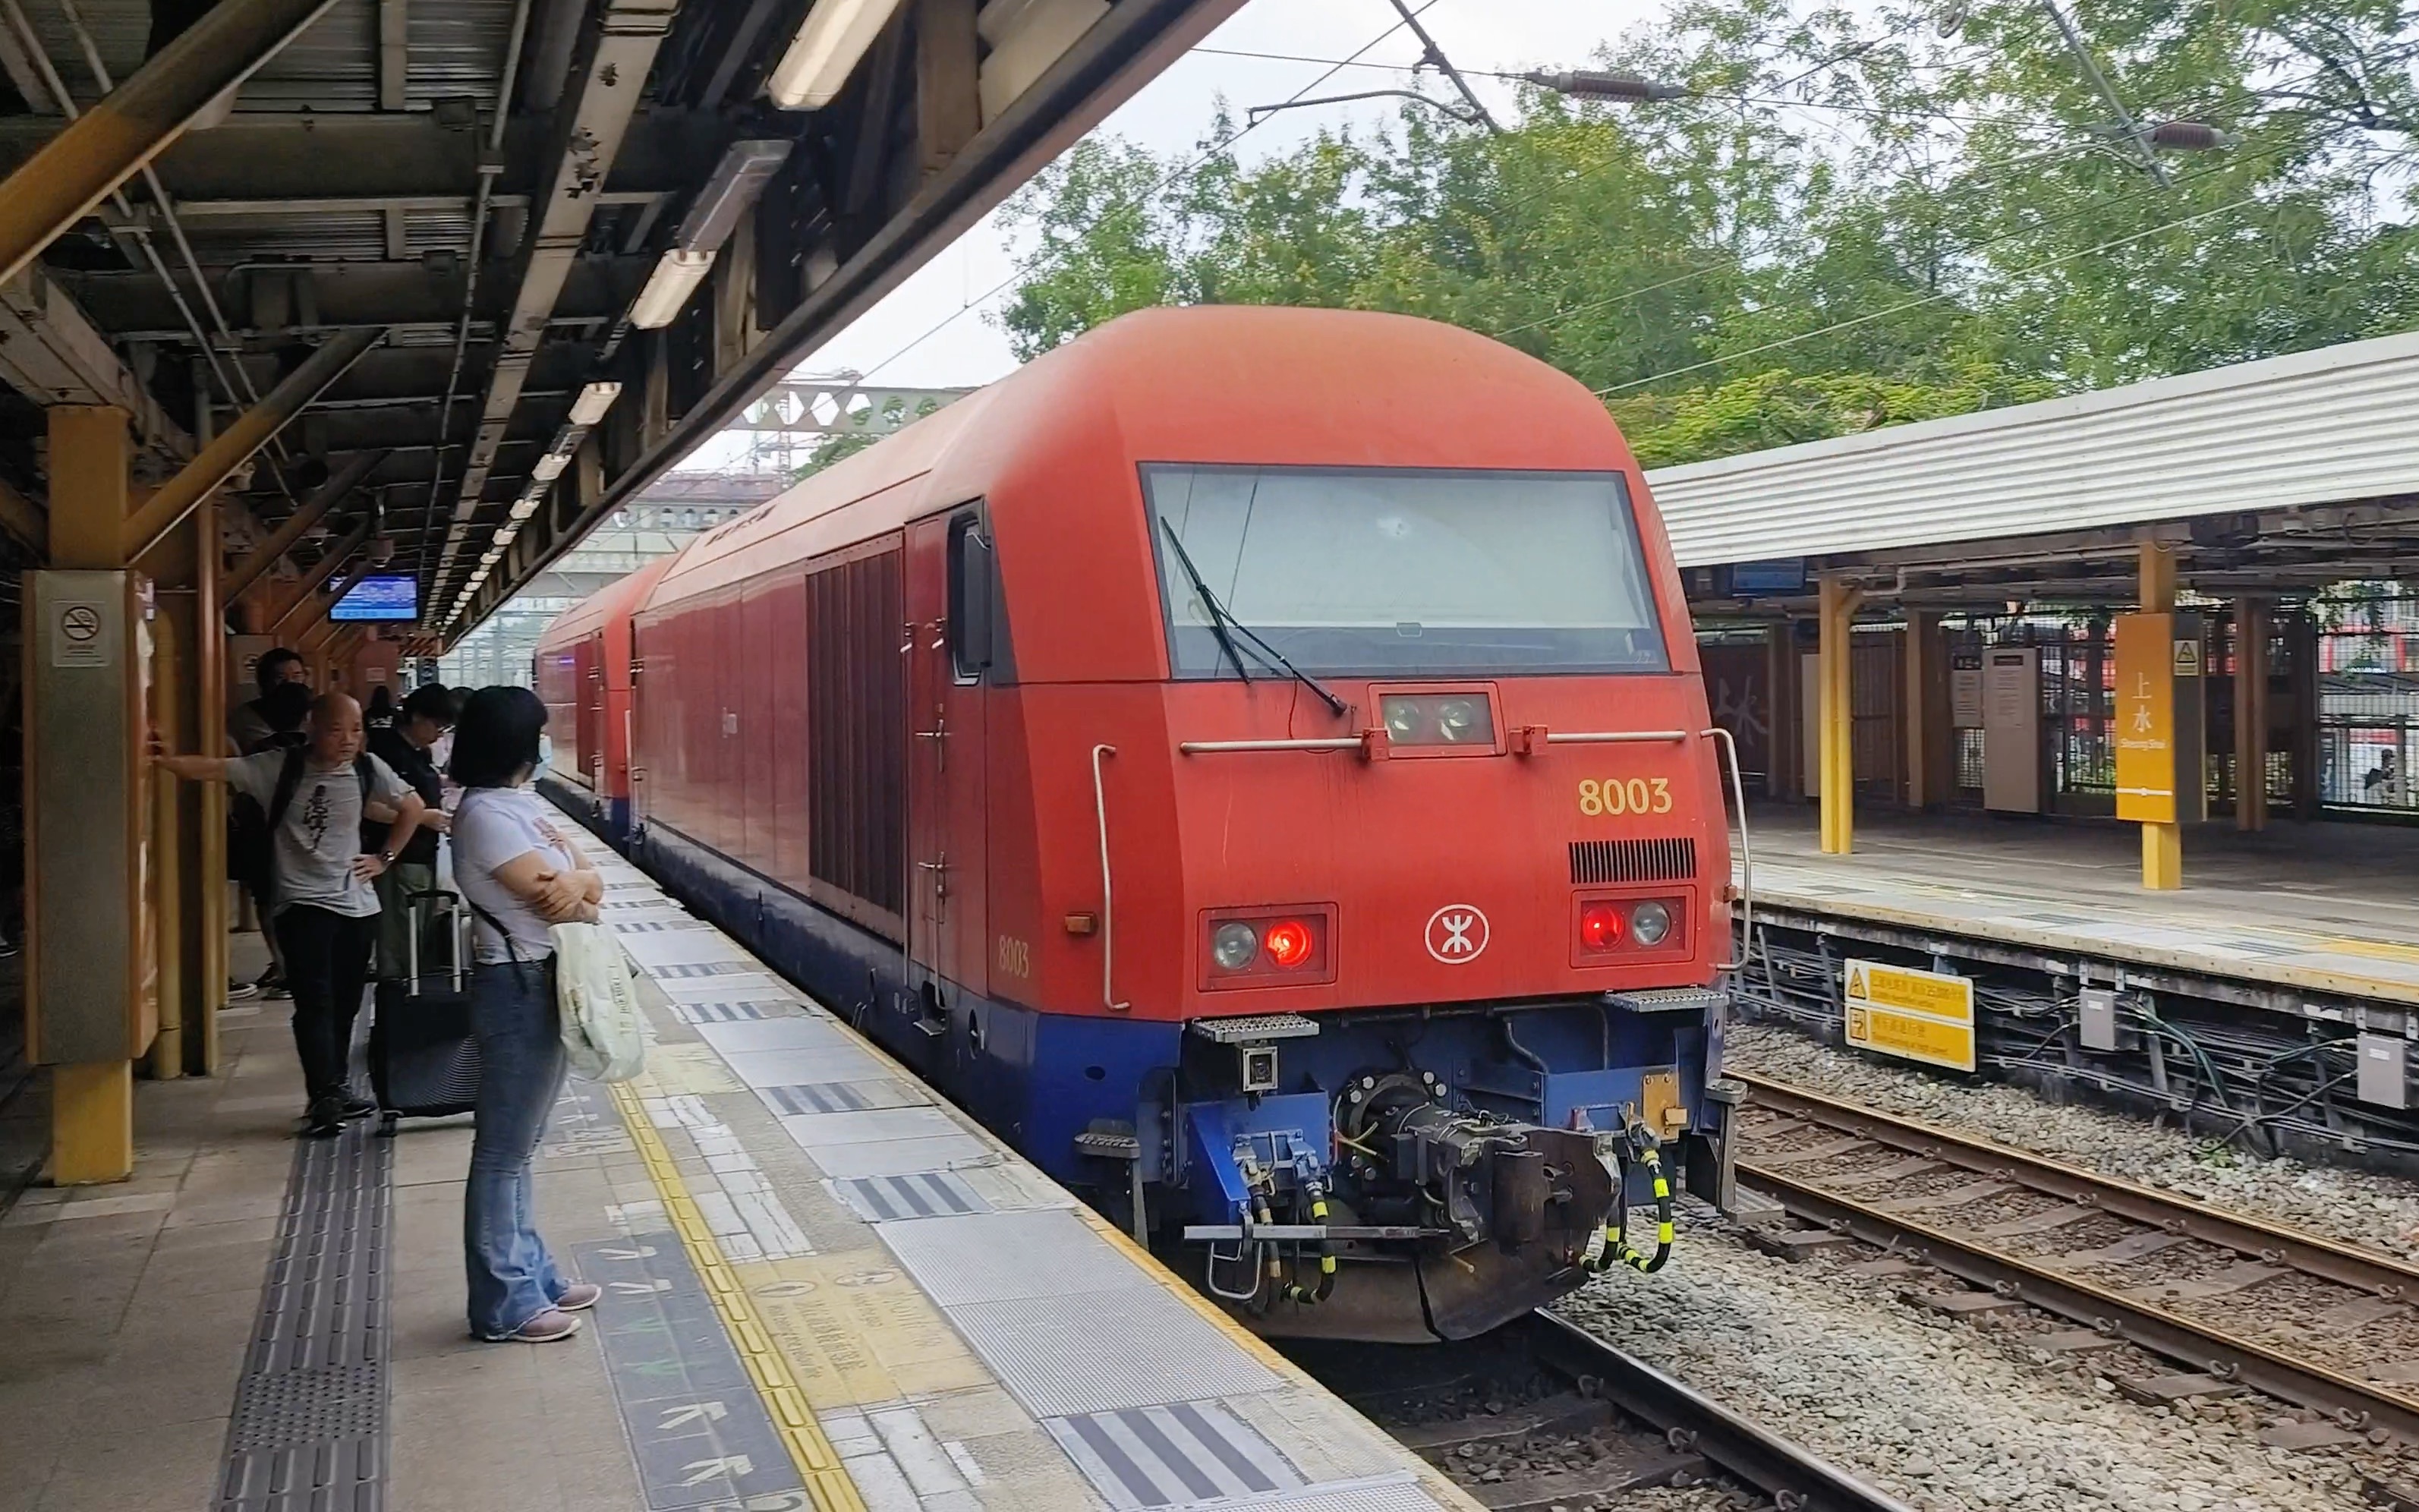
(1254, 759)
(583, 674)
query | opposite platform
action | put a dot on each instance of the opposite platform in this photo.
(2325, 908)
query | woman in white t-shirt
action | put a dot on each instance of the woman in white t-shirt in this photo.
(515, 865)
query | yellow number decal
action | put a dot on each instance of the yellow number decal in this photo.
(1614, 797)
(1015, 957)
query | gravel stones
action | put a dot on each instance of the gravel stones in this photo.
(2354, 1206)
(1946, 1415)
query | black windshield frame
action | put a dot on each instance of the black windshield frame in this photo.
(1441, 652)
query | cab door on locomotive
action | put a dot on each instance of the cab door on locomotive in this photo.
(948, 920)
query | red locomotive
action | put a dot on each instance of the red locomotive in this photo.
(1255, 759)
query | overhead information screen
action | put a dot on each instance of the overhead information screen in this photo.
(379, 599)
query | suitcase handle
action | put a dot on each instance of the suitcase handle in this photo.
(411, 903)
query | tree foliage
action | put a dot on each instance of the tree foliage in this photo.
(1855, 218)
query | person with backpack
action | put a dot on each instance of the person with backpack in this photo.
(520, 873)
(323, 906)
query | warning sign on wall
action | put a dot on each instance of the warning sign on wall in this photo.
(1915, 1015)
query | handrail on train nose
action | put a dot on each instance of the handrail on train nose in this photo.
(1746, 854)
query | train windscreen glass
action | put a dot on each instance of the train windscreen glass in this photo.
(1385, 572)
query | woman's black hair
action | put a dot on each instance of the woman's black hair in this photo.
(494, 740)
(381, 703)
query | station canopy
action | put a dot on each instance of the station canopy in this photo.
(571, 239)
(2282, 475)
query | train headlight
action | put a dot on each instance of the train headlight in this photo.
(1438, 718)
(1650, 923)
(1233, 946)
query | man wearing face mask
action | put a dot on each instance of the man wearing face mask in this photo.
(323, 903)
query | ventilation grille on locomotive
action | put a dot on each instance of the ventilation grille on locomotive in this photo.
(1596, 861)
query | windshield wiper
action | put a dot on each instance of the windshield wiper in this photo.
(1222, 622)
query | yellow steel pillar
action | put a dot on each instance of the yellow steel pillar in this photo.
(92, 1103)
(2162, 845)
(1835, 715)
(2251, 714)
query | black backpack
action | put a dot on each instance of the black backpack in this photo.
(251, 835)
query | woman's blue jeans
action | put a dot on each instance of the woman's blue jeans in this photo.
(512, 1277)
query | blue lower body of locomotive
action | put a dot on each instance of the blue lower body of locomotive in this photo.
(1041, 1080)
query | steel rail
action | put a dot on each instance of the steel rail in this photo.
(1796, 1480)
(2116, 1314)
(2381, 1276)
(2301, 1382)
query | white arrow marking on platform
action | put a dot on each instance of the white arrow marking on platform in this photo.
(701, 1470)
(677, 1417)
(641, 1288)
(641, 1252)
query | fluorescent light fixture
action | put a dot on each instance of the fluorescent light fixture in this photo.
(504, 536)
(523, 510)
(734, 185)
(825, 51)
(676, 276)
(592, 402)
(549, 466)
(492, 556)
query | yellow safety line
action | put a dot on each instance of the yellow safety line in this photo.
(818, 1463)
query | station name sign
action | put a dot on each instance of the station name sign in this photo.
(2160, 779)
(1915, 1015)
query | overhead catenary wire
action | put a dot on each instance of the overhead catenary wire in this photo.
(1233, 137)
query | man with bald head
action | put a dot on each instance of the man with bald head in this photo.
(323, 904)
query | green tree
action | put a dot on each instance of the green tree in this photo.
(1853, 219)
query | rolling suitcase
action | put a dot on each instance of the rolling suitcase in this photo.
(424, 1058)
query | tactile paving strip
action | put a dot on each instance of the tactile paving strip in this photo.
(310, 1424)
(1162, 1457)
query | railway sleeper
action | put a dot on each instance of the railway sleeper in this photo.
(1594, 1486)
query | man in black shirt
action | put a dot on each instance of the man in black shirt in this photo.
(424, 719)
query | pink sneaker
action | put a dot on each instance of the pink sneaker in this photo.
(578, 1296)
(544, 1328)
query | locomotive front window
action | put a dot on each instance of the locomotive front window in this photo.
(1395, 572)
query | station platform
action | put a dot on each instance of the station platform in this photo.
(825, 1289)
(2319, 908)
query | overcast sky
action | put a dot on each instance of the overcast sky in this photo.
(1169, 114)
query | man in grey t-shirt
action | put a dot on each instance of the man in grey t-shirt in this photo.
(323, 904)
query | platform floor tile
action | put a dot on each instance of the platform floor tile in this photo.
(1101, 1350)
(1004, 1256)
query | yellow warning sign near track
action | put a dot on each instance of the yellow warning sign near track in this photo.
(1915, 1015)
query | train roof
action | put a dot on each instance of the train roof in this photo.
(623, 595)
(1205, 385)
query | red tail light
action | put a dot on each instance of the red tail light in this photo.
(1290, 944)
(1600, 926)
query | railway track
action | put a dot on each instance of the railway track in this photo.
(1541, 1414)
(2238, 1303)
